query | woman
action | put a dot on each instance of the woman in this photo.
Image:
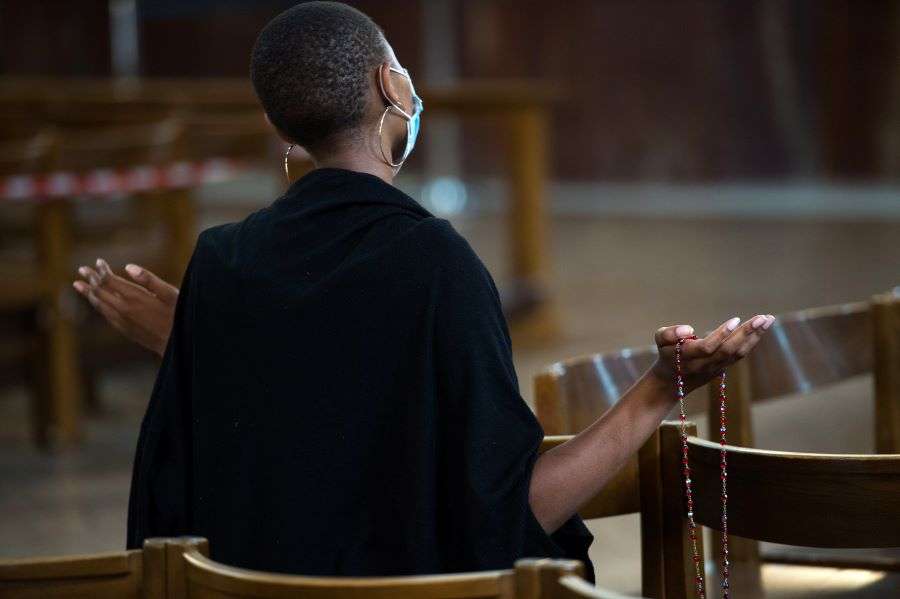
(337, 395)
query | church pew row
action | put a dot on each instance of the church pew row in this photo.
(178, 568)
(807, 351)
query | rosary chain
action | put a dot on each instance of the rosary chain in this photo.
(686, 472)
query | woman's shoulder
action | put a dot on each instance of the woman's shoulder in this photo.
(234, 242)
(442, 249)
(441, 242)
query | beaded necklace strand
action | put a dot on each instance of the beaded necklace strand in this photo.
(686, 471)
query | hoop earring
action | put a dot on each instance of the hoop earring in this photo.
(384, 155)
(287, 154)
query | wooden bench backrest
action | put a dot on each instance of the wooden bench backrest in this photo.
(813, 500)
(804, 351)
(570, 395)
(113, 575)
(136, 574)
(207, 579)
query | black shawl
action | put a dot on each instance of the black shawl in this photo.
(338, 397)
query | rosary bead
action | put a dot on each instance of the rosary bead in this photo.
(686, 471)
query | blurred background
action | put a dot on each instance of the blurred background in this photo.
(618, 164)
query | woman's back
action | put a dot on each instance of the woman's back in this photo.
(316, 409)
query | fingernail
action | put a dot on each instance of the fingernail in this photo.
(759, 321)
(733, 323)
(769, 322)
(103, 265)
(133, 269)
(77, 286)
(83, 271)
(684, 330)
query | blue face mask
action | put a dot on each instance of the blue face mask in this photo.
(413, 120)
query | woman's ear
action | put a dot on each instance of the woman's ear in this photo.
(386, 85)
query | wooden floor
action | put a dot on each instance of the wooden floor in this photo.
(616, 281)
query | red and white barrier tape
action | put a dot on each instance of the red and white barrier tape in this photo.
(106, 182)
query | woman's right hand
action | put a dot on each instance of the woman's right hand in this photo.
(705, 358)
(142, 310)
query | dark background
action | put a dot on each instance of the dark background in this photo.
(655, 89)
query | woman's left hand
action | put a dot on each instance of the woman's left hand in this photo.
(705, 358)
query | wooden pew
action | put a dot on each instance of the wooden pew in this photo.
(812, 500)
(106, 135)
(530, 579)
(885, 320)
(179, 568)
(805, 351)
(137, 574)
(42, 347)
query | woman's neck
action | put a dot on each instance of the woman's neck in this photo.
(359, 162)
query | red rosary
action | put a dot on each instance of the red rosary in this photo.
(686, 470)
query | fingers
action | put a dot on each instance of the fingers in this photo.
(109, 298)
(745, 338)
(670, 335)
(152, 283)
(708, 346)
(106, 309)
(104, 270)
(117, 284)
(82, 288)
(736, 345)
(90, 275)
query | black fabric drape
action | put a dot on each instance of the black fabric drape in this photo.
(338, 397)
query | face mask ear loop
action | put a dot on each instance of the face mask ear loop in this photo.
(396, 105)
(391, 106)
